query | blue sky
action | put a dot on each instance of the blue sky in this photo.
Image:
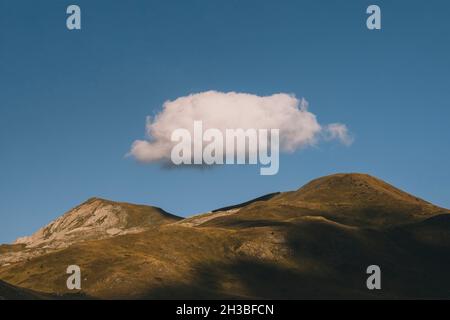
(72, 102)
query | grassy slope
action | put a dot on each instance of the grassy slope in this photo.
(351, 199)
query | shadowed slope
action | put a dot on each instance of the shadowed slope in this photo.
(9, 292)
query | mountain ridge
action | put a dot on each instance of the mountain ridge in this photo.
(312, 242)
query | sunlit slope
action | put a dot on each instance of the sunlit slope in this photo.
(352, 199)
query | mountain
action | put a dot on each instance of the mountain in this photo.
(96, 219)
(352, 199)
(314, 242)
(92, 220)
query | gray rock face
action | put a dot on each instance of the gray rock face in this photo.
(94, 219)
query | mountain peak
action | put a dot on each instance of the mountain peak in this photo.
(360, 199)
(97, 200)
(97, 218)
(352, 187)
(354, 199)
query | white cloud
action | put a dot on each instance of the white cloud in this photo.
(339, 132)
(298, 127)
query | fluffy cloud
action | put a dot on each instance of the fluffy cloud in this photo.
(338, 131)
(298, 127)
